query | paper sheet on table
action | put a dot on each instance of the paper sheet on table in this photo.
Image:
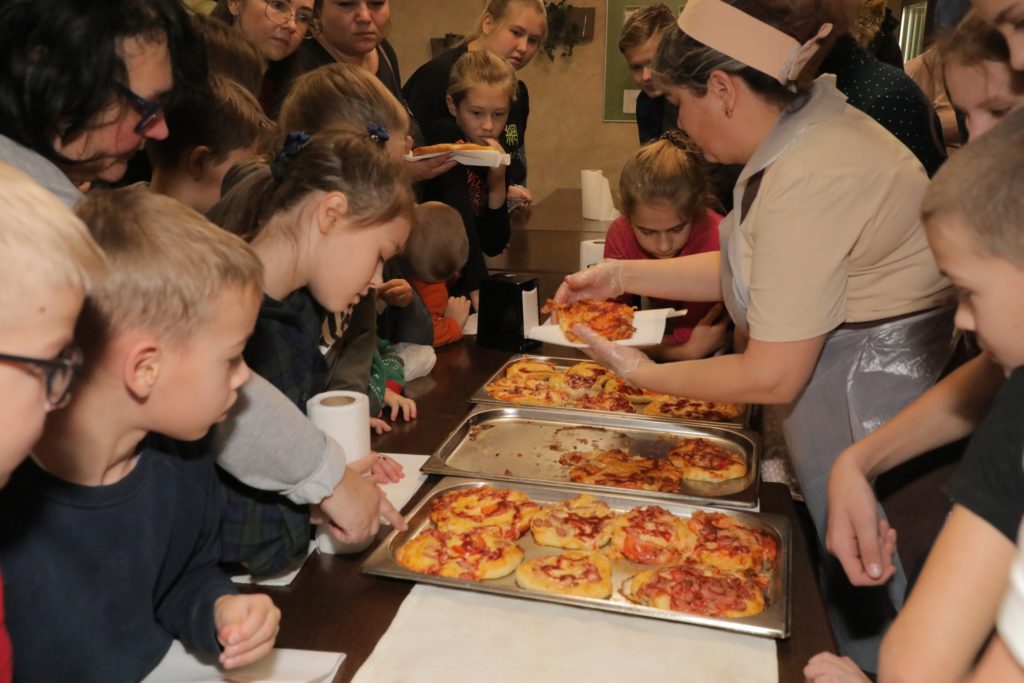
(470, 157)
(471, 324)
(280, 666)
(443, 634)
(650, 329)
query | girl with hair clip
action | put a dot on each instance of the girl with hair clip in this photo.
(337, 197)
(480, 95)
(359, 360)
(666, 205)
(512, 29)
(276, 28)
(824, 265)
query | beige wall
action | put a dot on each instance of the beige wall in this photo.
(565, 132)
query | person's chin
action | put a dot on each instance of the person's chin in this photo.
(115, 171)
(651, 91)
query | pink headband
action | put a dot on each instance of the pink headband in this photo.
(760, 46)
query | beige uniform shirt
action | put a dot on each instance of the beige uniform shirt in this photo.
(834, 234)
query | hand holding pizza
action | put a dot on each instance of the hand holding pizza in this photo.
(862, 543)
(246, 627)
(623, 360)
(598, 282)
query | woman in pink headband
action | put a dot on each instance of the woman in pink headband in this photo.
(824, 265)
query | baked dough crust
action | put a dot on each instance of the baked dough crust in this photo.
(506, 512)
(579, 573)
(702, 460)
(688, 588)
(476, 554)
(580, 523)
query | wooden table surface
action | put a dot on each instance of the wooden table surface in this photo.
(332, 606)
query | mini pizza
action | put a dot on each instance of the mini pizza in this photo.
(694, 409)
(581, 379)
(726, 543)
(475, 555)
(506, 512)
(581, 523)
(695, 590)
(651, 535)
(620, 469)
(611, 320)
(616, 386)
(459, 146)
(608, 402)
(526, 390)
(577, 572)
(702, 460)
(530, 368)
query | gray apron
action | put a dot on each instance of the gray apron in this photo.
(864, 376)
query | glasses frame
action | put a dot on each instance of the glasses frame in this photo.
(69, 361)
(292, 14)
(149, 111)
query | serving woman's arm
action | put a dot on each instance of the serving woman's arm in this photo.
(688, 278)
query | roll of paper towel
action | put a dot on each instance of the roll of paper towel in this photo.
(597, 196)
(591, 252)
(345, 417)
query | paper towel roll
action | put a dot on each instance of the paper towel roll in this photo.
(345, 417)
(591, 252)
(597, 196)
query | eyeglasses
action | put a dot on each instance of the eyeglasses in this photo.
(280, 12)
(58, 373)
(149, 111)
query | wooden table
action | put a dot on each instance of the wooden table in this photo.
(332, 606)
(545, 243)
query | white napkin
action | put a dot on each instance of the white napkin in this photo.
(442, 634)
(280, 666)
(398, 494)
(471, 324)
(649, 324)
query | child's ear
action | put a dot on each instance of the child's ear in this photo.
(452, 109)
(197, 162)
(142, 366)
(233, 7)
(332, 212)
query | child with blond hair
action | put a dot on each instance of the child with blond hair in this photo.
(49, 262)
(435, 253)
(480, 95)
(127, 531)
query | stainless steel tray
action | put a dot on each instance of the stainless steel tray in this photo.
(524, 445)
(773, 622)
(481, 396)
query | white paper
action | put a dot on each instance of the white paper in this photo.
(591, 252)
(650, 329)
(398, 494)
(456, 636)
(470, 157)
(471, 324)
(280, 666)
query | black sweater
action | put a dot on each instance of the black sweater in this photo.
(99, 580)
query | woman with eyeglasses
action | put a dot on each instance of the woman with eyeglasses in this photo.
(355, 32)
(276, 28)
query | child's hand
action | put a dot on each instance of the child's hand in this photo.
(710, 334)
(381, 468)
(246, 627)
(378, 425)
(826, 667)
(400, 405)
(397, 293)
(457, 309)
(519, 196)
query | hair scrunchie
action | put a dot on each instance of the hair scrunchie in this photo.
(378, 133)
(294, 143)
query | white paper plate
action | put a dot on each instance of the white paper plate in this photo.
(470, 157)
(650, 329)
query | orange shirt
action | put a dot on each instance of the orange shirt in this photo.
(435, 296)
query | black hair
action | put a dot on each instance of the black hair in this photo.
(62, 63)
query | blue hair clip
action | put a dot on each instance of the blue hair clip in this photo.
(378, 133)
(294, 143)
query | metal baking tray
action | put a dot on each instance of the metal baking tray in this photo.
(524, 444)
(481, 396)
(773, 622)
